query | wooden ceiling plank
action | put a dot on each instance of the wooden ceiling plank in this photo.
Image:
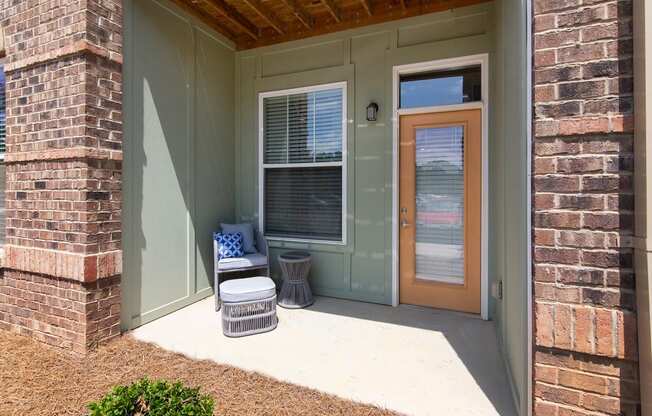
(300, 13)
(380, 15)
(234, 16)
(332, 9)
(267, 15)
(207, 20)
(367, 6)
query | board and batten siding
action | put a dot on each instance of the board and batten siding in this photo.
(363, 58)
(179, 168)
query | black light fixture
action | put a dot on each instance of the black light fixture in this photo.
(372, 111)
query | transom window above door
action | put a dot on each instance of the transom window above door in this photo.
(303, 137)
(436, 88)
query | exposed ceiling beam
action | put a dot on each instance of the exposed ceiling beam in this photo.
(266, 14)
(367, 6)
(207, 19)
(300, 13)
(332, 9)
(234, 16)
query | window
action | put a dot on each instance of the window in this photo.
(303, 174)
(441, 88)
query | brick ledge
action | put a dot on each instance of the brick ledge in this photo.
(79, 47)
(57, 154)
(73, 266)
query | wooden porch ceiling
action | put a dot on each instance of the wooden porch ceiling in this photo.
(254, 23)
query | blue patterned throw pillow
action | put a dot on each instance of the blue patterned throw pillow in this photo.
(230, 245)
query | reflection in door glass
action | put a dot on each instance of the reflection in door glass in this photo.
(440, 204)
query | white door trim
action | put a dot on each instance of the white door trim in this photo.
(452, 63)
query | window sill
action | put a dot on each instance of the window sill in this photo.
(318, 246)
(306, 241)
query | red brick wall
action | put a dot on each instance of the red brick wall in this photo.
(64, 161)
(60, 312)
(585, 324)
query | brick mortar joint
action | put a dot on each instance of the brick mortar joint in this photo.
(578, 63)
(579, 410)
(581, 355)
(578, 43)
(541, 300)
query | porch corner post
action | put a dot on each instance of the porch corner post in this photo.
(585, 288)
(643, 189)
(63, 258)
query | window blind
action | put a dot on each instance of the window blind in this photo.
(304, 202)
(302, 164)
(303, 128)
(440, 204)
(3, 129)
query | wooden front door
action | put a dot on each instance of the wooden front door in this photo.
(440, 209)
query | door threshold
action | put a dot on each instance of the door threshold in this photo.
(441, 311)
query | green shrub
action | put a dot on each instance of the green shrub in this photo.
(153, 398)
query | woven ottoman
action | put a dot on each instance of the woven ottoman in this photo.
(248, 306)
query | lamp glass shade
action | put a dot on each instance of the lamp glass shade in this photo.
(372, 112)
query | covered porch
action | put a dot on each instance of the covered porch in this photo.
(412, 360)
(258, 112)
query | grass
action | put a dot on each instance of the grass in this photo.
(37, 380)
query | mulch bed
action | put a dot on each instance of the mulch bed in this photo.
(36, 380)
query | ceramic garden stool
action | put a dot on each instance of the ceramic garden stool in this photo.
(295, 291)
(248, 306)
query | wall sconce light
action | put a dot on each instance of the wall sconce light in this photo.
(372, 112)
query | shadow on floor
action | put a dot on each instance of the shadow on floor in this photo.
(473, 340)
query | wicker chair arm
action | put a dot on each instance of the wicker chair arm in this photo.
(261, 244)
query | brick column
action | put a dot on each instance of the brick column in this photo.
(61, 283)
(585, 352)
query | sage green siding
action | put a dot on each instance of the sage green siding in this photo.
(179, 169)
(509, 243)
(364, 58)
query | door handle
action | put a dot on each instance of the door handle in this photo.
(404, 221)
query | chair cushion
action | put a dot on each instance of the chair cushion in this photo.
(251, 288)
(247, 231)
(230, 245)
(245, 262)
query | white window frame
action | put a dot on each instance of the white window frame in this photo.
(262, 166)
(483, 105)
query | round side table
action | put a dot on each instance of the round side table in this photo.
(295, 291)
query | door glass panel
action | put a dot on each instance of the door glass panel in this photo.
(440, 204)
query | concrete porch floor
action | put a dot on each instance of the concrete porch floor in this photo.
(413, 360)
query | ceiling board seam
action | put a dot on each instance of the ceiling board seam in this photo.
(234, 16)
